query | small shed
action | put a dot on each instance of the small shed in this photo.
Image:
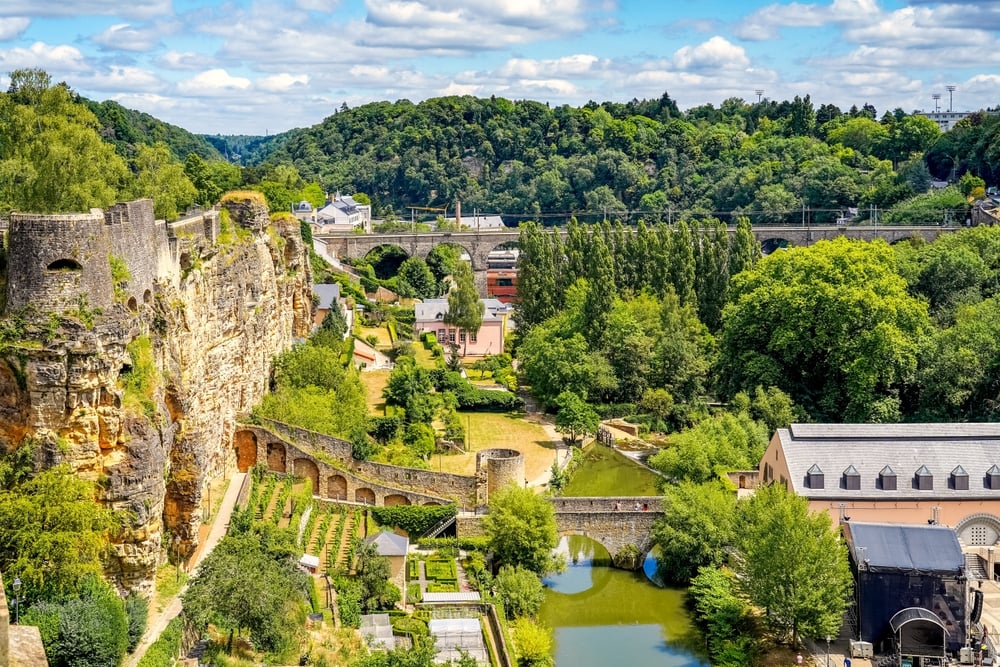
(393, 547)
(309, 563)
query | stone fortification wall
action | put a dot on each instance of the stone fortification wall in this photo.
(211, 331)
(57, 262)
(609, 504)
(332, 456)
(502, 467)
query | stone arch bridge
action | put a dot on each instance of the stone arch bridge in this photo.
(479, 244)
(616, 523)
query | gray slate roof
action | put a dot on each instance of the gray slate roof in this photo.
(903, 448)
(435, 309)
(905, 548)
(390, 544)
(328, 295)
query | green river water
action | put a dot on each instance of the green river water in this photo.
(606, 617)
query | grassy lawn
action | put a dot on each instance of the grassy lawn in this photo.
(381, 332)
(375, 382)
(489, 430)
(424, 357)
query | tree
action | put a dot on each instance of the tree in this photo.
(520, 591)
(730, 630)
(242, 586)
(161, 178)
(521, 529)
(716, 444)
(831, 325)
(91, 630)
(52, 533)
(373, 572)
(791, 563)
(465, 308)
(416, 280)
(698, 523)
(532, 643)
(575, 417)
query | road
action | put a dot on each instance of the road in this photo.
(158, 620)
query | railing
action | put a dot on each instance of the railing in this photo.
(439, 528)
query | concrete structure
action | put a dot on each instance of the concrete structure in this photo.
(896, 473)
(430, 314)
(479, 244)
(946, 119)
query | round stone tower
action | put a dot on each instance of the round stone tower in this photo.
(58, 262)
(502, 467)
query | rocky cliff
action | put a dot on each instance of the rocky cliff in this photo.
(139, 389)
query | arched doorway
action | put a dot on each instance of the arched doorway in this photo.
(336, 487)
(396, 499)
(306, 469)
(365, 496)
(276, 457)
(246, 450)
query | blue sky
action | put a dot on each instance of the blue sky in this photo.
(264, 66)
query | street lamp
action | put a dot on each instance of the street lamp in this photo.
(16, 585)
(828, 651)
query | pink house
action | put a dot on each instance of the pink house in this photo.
(429, 316)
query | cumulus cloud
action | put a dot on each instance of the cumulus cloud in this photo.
(13, 26)
(577, 64)
(54, 59)
(716, 53)
(213, 83)
(284, 82)
(766, 22)
(114, 79)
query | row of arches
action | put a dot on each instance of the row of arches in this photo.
(334, 487)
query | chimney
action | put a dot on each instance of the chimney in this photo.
(458, 214)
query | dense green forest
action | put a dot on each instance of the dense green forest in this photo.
(765, 160)
(665, 320)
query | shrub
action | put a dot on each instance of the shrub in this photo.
(137, 610)
(466, 543)
(414, 519)
(164, 651)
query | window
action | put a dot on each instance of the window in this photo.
(441, 334)
(461, 336)
(472, 338)
(451, 335)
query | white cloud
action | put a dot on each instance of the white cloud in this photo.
(325, 6)
(142, 9)
(185, 60)
(577, 64)
(282, 82)
(213, 83)
(114, 79)
(13, 26)
(54, 59)
(765, 23)
(127, 37)
(913, 27)
(716, 53)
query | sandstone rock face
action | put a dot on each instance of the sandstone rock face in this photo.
(211, 303)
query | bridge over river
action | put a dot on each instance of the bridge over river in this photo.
(479, 244)
(615, 522)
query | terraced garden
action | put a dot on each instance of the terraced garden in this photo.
(327, 531)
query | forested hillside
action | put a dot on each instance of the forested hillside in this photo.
(127, 129)
(765, 160)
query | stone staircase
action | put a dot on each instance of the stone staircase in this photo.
(974, 566)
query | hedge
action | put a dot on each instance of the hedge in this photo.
(414, 519)
(466, 543)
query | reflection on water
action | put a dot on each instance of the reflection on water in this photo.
(606, 617)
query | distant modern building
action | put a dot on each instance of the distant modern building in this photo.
(946, 119)
(429, 316)
(501, 275)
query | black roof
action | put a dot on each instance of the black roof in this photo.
(909, 549)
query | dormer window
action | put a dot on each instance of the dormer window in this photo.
(852, 479)
(887, 479)
(923, 479)
(993, 477)
(814, 477)
(959, 479)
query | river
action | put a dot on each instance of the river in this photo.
(605, 617)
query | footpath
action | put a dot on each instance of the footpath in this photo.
(172, 608)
